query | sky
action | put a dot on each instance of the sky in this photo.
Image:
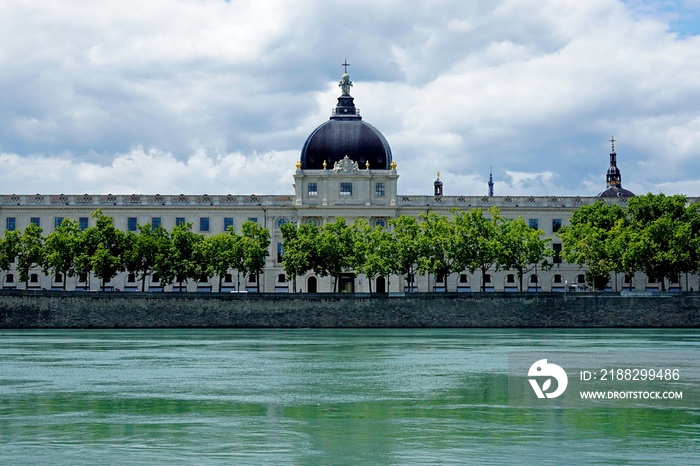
(217, 97)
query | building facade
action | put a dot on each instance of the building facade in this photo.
(346, 169)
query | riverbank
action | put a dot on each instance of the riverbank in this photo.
(57, 309)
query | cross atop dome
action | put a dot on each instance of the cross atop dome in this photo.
(345, 64)
(612, 141)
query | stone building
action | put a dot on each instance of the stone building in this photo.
(346, 169)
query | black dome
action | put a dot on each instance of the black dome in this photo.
(614, 191)
(346, 134)
(335, 139)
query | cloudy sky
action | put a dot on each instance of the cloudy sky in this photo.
(209, 96)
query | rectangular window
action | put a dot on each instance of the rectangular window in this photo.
(556, 225)
(155, 222)
(57, 222)
(179, 221)
(557, 251)
(36, 221)
(131, 224)
(534, 223)
(204, 224)
(228, 222)
(280, 252)
(313, 189)
(380, 190)
(84, 223)
(346, 189)
(253, 219)
(11, 224)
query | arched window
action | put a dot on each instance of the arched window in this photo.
(534, 278)
(131, 278)
(10, 278)
(557, 278)
(463, 278)
(510, 278)
(58, 278)
(380, 222)
(281, 278)
(312, 285)
(281, 222)
(581, 278)
(34, 278)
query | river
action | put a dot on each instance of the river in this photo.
(316, 397)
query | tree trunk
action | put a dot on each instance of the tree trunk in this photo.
(221, 278)
(143, 282)
(369, 282)
(238, 278)
(520, 279)
(483, 280)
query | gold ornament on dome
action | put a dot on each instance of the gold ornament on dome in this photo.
(325, 165)
(298, 164)
(367, 165)
(393, 165)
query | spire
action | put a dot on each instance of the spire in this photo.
(438, 185)
(490, 182)
(345, 109)
(613, 177)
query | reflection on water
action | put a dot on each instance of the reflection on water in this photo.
(314, 396)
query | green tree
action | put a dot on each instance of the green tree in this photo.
(106, 246)
(141, 256)
(373, 251)
(481, 239)
(408, 247)
(443, 250)
(9, 247)
(60, 249)
(255, 244)
(178, 262)
(522, 248)
(335, 250)
(30, 251)
(666, 239)
(587, 241)
(219, 252)
(300, 245)
(622, 246)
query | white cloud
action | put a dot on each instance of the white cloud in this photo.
(153, 172)
(523, 87)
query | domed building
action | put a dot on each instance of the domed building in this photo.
(345, 170)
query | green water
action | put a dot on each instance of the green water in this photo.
(314, 397)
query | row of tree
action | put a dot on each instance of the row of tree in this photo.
(103, 250)
(468, 240)
(656, 234)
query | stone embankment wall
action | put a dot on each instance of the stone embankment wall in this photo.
(55, 309)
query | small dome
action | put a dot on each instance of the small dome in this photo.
(614, 191)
